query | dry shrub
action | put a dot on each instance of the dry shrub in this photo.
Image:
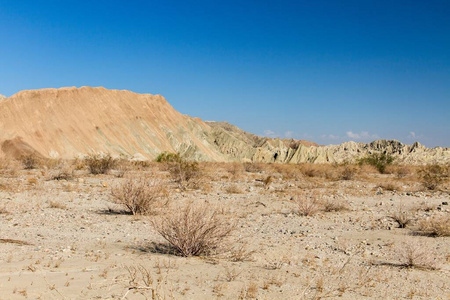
(194, 230)
(267, 181)
(400, 171)
(52, 163)
(401, 216)
(334, 205)
(416, 255)
(253, 167)
(30, 161)
(65, 173)
(432, 176)
(327, 171)
(139, 196)
(389, 186)
(288, 171)
(234, 189)
(7, 166)
(241, 253)
(307, 203)
(235, 169)
(436, 226)
(186, 174)
(348, 173)
(310, 170)
(99, 163)
(57, 205)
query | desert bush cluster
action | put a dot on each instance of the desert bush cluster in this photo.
(433, 176)
(308, 204)
(238, 224)
(99, 163)
(378, 160)
(186, 174)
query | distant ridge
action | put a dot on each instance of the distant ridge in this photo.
(72, 122)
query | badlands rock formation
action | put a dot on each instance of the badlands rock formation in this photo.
(73, 122)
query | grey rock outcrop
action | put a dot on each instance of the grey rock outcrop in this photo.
(242, 146)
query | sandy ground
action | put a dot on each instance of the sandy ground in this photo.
(65, 239)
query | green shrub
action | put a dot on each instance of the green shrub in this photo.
(168, 157)
(379, 160)
(184, 173)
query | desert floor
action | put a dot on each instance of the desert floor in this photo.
(66, 239)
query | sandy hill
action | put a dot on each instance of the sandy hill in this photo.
(69, 122)
(72, 122)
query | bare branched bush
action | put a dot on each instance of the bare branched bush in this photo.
(99, 163)
(64, 172)
(334, 205)
(416, 255)
(235, 169)
(267, 181)
(8, 166)
(234, 189)
(401, 216)
(432, 176)
(194, 230)
(253, 167)
(389, 186)
(57, 205)
(30, 161)
(401, 171)
(348, 173)
(307, 204)
(436, 226)
(139, 196)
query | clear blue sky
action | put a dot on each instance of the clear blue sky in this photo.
(326, 71)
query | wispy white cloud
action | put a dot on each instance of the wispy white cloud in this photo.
(363, 135)
(330, 137)
(288, 134)
(412, 135)
(270, 133)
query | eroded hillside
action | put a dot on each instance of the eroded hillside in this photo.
(72, 122)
